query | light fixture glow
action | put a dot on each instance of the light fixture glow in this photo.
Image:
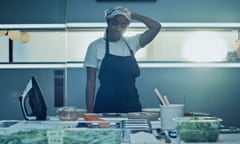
(131, 33)
(205, 47)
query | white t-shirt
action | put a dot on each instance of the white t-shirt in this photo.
(96, 50)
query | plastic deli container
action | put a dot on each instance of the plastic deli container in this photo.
(198, 129)
(70, 113)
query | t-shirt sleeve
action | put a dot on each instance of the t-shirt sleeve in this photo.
(90, 59)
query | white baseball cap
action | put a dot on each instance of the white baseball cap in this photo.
(111, 12)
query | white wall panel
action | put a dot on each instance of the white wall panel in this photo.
(169, 45)
(78, 41)
(4, 44)
(43, 46)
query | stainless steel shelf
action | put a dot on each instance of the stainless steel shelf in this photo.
(189, 65)
(93, 25)
(32, 66)
(32, 26)
(222, 26)
(142, 65)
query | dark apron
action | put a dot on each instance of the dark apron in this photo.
(117, 92)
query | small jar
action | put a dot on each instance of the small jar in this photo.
(67, 113)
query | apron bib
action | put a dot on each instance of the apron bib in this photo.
(117, 92)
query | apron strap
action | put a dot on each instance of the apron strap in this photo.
(107, 43)
(129, 47)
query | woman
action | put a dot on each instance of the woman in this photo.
(113, 58)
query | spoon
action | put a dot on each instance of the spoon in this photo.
(159, 96)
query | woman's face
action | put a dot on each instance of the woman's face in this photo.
(116, 27)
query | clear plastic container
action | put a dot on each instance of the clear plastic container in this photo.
(198, 129)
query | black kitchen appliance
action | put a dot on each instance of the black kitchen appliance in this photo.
(32, 102)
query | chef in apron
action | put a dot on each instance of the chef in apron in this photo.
(111, 60)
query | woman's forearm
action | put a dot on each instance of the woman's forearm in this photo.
(90, 89)
(90, 98)
(152, 25)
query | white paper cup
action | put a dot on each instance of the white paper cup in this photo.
(168, 113)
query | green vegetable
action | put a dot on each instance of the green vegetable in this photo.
(69, 137)
(198, 131)
(25, 137)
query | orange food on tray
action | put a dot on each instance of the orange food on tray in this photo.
(102, 122)
(92, 118)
